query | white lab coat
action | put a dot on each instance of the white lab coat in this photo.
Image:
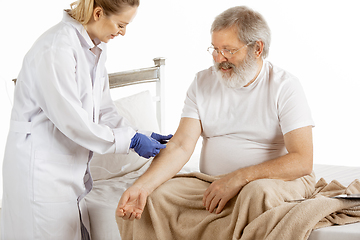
(62, 113)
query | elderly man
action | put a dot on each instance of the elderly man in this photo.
(255, 123)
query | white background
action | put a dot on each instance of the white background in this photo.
(316, 40)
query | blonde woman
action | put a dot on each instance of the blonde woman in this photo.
(63, 113)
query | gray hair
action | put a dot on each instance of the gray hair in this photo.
(251, 26)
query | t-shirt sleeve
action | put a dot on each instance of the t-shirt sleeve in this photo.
(191, 109)
(293, 108)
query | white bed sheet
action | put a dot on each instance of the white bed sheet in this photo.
(344, 175)
(102, 201)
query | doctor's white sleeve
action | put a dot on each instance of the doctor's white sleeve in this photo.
(58, 94)
(109, 116)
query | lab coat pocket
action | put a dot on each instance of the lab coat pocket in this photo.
(53, 177)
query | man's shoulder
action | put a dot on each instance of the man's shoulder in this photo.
(207, 75)
(206, 72)
(278, 75)
(281, 81)
(205, 81)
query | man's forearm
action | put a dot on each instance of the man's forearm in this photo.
(297, 163)
(171, 159)
(164, 166)
(288, 167)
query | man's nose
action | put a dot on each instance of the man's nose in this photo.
(220, 58)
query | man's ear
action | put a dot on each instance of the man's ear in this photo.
(259, 48)
(98, 13)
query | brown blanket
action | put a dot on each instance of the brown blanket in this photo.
(175, 211)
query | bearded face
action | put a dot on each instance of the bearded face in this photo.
(239, 74)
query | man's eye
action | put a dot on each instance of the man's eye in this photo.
(121, 26)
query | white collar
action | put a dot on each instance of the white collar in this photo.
(81, 30)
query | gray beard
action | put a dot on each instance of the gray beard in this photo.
(240, 76)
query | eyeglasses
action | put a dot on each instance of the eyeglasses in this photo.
(225, 52)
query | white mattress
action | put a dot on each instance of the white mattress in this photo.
(102, 202)
(345, 175)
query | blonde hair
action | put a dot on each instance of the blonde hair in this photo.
(82, 10)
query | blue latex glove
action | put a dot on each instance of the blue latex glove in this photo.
(161, 138)
(145, 146)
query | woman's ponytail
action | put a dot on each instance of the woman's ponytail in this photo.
(82, 10)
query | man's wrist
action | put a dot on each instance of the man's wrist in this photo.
(243, 177)
(146, 186)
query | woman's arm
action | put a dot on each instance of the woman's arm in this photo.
(164, 166)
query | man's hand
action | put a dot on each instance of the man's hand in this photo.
(221, 191)
(132, 203)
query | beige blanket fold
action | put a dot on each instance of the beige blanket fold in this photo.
(175, 210)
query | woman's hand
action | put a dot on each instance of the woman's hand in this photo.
(132, 203)
(221, 191)
(161, 138)
(145, 146)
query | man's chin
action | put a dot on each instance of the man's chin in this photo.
(230, 80)
(226, 74)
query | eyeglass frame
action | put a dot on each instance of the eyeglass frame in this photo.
(222, 53)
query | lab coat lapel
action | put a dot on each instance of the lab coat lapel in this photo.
(98, 87)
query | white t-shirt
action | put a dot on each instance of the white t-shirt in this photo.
(245, 126)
